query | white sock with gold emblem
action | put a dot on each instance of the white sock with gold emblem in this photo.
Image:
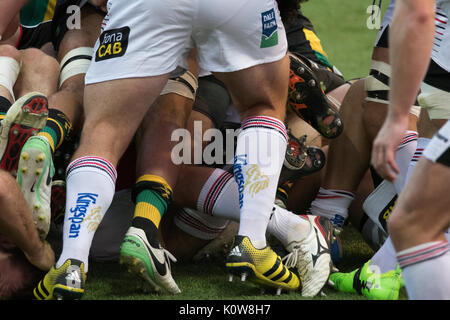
(260, 151)
(90, 189)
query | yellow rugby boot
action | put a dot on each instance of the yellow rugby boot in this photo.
(63, 283)
(262, 266)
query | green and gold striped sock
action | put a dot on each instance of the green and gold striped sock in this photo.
(56, 128)
(152, 200)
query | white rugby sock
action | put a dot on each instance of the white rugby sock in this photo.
(219, 197)
(385, 258)
(425, 270)
(260, 151)
(421, 145)
(89, 193)
(287, 226)
(332, 204)
(403, 156)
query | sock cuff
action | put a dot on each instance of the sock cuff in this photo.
(93, 163)
(154, 183)
(212, 189)
(421, 253)
(266, 123)
(409, 137)
(334, 194)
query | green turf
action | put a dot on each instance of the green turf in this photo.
(207, 280)
(341, 25)
(342, 28)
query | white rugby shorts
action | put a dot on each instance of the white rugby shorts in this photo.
(438, 149)
(143, 38)
(435, 100)
(387, 19)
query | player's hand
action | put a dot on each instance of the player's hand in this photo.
(385, 146)
(101, 4)
(44, 258)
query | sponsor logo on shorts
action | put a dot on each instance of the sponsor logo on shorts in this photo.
(113, 44)
(269, 36)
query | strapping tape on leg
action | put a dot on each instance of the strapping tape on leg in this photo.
(436, 101)
(75, 62)
(377, 85)
(380, 203)
(9, 73)
(184, 85)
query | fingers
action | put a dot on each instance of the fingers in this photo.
(383, 160)
(44, 259)
(390, 166)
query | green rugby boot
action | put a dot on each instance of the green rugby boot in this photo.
(149, 263)
(366, 281)
(34, 176)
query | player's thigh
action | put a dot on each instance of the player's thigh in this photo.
(113, 111)
(39, 72)
(422, 212)
(262, 85)
(85, 36)
(245, 47)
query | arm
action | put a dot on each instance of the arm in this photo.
(411, 42)
(101, 4)
(17, 225)
(9, 10)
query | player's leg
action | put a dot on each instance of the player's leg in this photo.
(212, 198)
(75, 52)
(120, 89)
(182, 224)
(65, 109)
(261, 145)
(420, 218)
(307, 97)
(39, 72)
(414, 213)
(9, 71)
(385, 261)
(352, 146)
(372, 114)
(369, 108)
(157, 172)
(263, 138)
(23, 118)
